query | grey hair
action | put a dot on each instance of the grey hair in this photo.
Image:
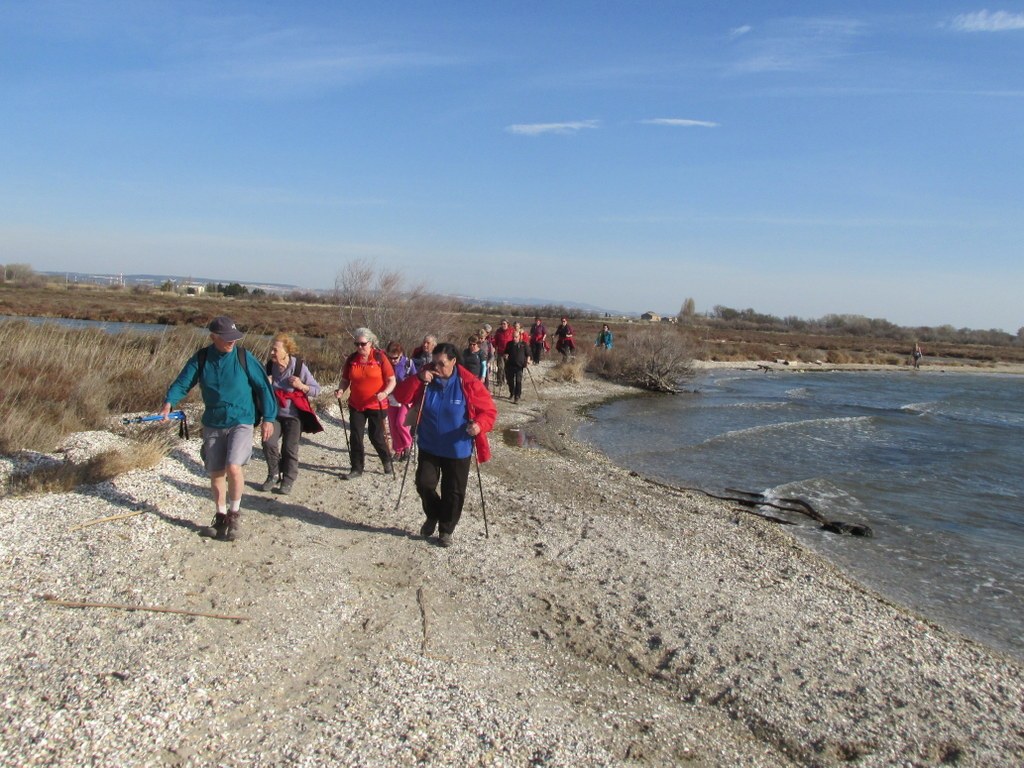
(366, 333)
(430, 336)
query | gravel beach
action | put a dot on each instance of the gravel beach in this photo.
(605, 621)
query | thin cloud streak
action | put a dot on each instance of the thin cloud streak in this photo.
(983, 21)
(538, 129)
(740, 31)
(679, 122)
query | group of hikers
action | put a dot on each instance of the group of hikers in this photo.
(435, 399)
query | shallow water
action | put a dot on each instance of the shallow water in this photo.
(931, 461)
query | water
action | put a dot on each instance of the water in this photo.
(931, 461)
(103, 325)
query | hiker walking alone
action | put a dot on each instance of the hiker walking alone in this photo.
(456, 413)
(917, 355)
(293, 386)
(232, 382)
(372, 378)
(566, 343)
(401, 438)
(604, 338)
(538, 339)
(517, 357)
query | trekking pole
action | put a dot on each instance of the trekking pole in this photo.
(344, 427)
(388, 442)
(534, 384)
(480, 481)
(172, 416)
(412, 434)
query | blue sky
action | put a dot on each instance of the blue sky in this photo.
(800, 158)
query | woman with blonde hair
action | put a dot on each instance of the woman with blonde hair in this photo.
(401, 436)
(293, 385)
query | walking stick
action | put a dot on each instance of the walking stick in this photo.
(480, 481)
(412, 433)
(344, 427)
(387, 441)
(534, 383)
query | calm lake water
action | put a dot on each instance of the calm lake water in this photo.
(933, 462)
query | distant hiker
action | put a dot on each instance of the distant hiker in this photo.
(486, 354)
(456, 413)
(917, 355)
(235, 394)
(293, 386)
(502, 337)
(566, 343)
(538, 339)
(422, 354)
(471, 359)
(604, 338)
(517, 357)
(372, 378)
(401, 438)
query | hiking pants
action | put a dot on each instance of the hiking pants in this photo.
(282, 449)
(514, 375)
(371, 421)
(536, 350)
(453, 474)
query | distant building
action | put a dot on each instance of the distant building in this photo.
(191, 289)
(651, 316)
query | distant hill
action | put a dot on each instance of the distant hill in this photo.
(155, 280)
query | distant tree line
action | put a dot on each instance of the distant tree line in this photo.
(843, 325)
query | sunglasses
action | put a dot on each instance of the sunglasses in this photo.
(362, 343)
(394, 358)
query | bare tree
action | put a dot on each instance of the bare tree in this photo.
(688, 310)
(380, 299)
(655, 357)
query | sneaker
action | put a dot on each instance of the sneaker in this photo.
(444, 540)
(217, 528)
(427, 529)
(355, 474)
(284, 490)
(268, 484)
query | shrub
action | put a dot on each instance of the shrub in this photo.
(569, 370)
(65, 477)
(657, 358)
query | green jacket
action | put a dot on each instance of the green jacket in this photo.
(227, 389)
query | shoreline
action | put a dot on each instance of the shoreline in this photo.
(605, 621)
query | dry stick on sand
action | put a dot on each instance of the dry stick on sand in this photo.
(105, 520)
(151, 608)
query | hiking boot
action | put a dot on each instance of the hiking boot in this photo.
(284, 490)
(355, 474)
(515, 399)
(232, 532)
(427, 529)
(215, 530)
(444, 540)
(389, 467)
(268, 484)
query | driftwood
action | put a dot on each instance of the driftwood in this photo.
(150, 608)
(749, 500)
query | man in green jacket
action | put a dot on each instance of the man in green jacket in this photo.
(232, 381)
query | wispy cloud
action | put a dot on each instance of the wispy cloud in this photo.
(797, 45)
(680, 122)
(537, 129)
(740, 31)
(984, 21)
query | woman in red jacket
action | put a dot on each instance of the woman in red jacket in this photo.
(456, 413)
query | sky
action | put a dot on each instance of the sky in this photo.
(797, 158)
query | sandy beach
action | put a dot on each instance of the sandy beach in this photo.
(605, 621)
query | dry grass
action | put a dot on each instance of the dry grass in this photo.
(569, 370)
(66, 477)
(655, 357)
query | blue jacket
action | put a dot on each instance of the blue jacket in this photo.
(227, 389)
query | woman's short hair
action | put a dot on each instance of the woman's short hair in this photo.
(365, 333)
(395, 348)
(288, 341)
(474, 339)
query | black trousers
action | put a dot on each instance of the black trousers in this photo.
(514, 376)
(282, 450)
(453, 474)
(372, 422)
(536, 350)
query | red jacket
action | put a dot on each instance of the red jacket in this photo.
(480, 407)
(502, 337)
